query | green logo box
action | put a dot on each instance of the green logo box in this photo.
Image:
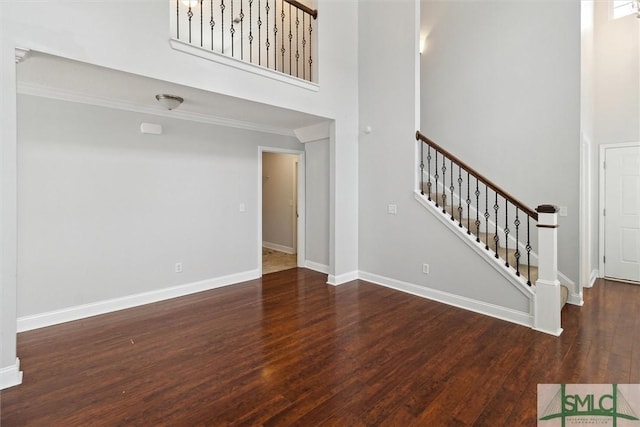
(575, 405)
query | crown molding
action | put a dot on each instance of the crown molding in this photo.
(313, 133)
(72, 96)
(22, 54)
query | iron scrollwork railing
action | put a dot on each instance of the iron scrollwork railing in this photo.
(493, 206)
(276, 34)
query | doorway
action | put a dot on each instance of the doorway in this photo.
(620, 212)
(281, 216)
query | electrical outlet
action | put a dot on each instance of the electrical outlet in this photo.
(425, 268)
(178, 267)
(392, 209)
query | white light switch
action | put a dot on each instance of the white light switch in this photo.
(392, 209)
(563, 211)
(242, 207)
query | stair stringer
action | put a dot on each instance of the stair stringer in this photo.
(575, 295)
(488, 255)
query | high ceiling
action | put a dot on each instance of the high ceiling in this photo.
(57, 77)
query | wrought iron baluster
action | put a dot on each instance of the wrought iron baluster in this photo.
(451, 188)
(201, 23)
(517, 254)
(444, 185)
(459, 197)
(496, 239)
(275, 34)
(486, 217)
(212, 23)
(222, 7)
(250, 31)
(241, 16)
(422, 168)
(468, 206)
(259, 34)
(528, 249)
(310, 49)
(477, 193)
(290, 39)
(190, 16)
(178, 19)
(267, 44)
(297, 44)
(506, 232)
(232, 31)
(304, 45)
(282, 49)
(436, 176)
(429, 171)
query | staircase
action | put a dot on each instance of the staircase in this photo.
(518, 241)
(508, 256)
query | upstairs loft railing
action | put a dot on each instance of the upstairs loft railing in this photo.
(496, 218)
(275, 34)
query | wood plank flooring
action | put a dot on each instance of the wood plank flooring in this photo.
(290, 350)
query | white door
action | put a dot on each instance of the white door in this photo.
(622, 213)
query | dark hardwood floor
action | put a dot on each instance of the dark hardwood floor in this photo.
(291, 350)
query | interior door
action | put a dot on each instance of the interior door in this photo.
(622, 213)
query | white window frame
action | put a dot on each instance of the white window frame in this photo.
(622, 8)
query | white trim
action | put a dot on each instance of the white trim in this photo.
(42, 320)
(242, 65)
(301, 243)
(315, 266)
(575, 299)
(601, 198)
(492, 310)
(22, 54)
(10, 375)
(279, 248)
(317, 132)
(71, 96)
(585, 220)
(341, 279)
(592, 278)
(507, 272)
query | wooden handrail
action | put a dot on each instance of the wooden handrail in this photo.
(302, 7)
(533, 214)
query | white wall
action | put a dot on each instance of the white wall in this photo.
(105, 211)
(616, 95)
(501, 89)
(317, 208)
(278, 197)
(394, 247)
(135, 39)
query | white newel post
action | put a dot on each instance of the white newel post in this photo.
(547, 303)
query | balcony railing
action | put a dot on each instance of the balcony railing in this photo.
(275, 34)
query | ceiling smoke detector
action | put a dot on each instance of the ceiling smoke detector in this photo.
(170, 102)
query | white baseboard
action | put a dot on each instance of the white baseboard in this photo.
(10, 375)
(575, 299)
(513, 316)
(320, 268)
(592, 278)
(342, 278)
(279, 248)
(42, 320)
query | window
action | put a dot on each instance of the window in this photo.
(620, 8)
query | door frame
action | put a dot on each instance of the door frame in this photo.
(300, 203)
(601, 197)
